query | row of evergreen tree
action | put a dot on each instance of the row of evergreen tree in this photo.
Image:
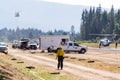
(9, 35)
(97, 21)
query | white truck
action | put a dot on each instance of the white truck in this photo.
(52, 42)
(71, 46)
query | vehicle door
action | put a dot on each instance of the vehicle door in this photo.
(76, 47)
(70, 46)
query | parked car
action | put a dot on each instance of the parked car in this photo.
(15, 44)
(23, 43)
(32, 45)
(3, 47)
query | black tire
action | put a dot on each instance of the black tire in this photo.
(6, 52)
(82, 51)
(49, 50)
(67, 51)
(56, 50)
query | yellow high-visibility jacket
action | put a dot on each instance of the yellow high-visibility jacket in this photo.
(60, 53)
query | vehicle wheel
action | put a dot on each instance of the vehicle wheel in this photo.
(6, 52)
(67, 51)
(49, 50)
(56, 50)
(82, 51)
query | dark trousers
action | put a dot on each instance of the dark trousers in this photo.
(60, 62)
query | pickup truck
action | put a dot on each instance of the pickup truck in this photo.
(74, 47)
(70, 47)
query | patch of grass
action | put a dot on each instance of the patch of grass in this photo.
(48, 76)
(96, 45)
(89, 44)
(95, 64)
(1, 76)
(39, 73)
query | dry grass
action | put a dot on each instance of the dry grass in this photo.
(94, 63)
(18, 70)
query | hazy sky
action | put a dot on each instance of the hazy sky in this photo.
(44, 15)
(104, 3)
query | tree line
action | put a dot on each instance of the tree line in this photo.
(8, 35)
(98, 21)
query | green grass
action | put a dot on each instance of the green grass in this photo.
(48, 76)
(96, 45)
(90, 44)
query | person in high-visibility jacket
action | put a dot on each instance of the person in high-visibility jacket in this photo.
(60, 57)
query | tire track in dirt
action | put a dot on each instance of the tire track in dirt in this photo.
(87, 69)
(75, 72)
(104, 59)
(81, 71)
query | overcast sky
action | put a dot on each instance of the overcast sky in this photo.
(47, 14)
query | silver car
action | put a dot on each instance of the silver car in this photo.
(3, 47)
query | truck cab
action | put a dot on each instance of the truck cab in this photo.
(74, 47)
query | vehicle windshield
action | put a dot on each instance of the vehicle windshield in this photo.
(3, 44)
(75, 44)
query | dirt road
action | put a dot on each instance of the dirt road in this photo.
(105, 55)
(87, 73)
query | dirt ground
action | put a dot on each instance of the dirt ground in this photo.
(8, 72)
(99, 63)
